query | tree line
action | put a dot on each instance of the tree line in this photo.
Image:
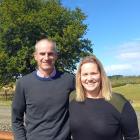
(120, 80)
(23, 22)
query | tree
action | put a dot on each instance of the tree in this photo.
(24, 21)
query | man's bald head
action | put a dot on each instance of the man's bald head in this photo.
(43, 42)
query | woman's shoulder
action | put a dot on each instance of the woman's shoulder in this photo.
(118, 101)
(72, 96)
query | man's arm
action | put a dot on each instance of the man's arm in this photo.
(18, 110)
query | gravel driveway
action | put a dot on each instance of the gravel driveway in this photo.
(5, 118)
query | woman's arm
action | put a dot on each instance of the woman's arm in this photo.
(129, 123)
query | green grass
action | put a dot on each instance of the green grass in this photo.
(5, 103)
(131, 92)
(117, 81)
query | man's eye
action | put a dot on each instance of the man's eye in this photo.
(42, 53)
(50, 54)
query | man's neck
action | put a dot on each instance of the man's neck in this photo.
(47, 73)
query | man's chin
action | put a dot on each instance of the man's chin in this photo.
(48, 69)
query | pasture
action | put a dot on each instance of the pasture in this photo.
(132, 93)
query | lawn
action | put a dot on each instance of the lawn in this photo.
(4, 102)
(131, 92)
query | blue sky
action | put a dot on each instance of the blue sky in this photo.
(114, 29)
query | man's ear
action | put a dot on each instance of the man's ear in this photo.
(34, 55)
(56, 56)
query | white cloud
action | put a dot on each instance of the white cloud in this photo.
(123, 69)
(137, 39)
(129, 55)
(133, 45)
(126, 59)
(117, 69)
(129, 50)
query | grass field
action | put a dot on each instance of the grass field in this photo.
(131, 92)
(4, 102)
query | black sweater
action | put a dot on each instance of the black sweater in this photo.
(45, 104)
(97, 119)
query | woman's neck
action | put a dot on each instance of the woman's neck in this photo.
(94, 95)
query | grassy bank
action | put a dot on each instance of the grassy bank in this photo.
(131, 92)
(5, 103)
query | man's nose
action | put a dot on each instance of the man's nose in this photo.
(46, 56)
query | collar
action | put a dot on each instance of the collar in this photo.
(46, 77)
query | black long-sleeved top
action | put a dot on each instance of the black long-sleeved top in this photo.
(97, 119)
(45, 104)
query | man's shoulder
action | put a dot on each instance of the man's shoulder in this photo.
(66, 74)
(69, 74)
(67, 79)
(27, 76)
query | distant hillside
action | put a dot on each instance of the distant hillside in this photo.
(120, 80)
(132, 93)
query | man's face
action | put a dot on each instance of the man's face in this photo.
(45, 56)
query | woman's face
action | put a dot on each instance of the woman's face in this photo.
(90, 77)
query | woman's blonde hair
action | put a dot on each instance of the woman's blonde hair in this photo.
(105, 83)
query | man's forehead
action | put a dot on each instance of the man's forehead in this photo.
(45, 45)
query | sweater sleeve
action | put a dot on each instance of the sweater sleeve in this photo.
(18, 110)
(129, 124)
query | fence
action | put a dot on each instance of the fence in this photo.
(6, 96)
(6, 135)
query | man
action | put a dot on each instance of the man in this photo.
(43, 98)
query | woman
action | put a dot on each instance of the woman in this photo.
(97, 113)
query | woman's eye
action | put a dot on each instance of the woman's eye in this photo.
(84, 74)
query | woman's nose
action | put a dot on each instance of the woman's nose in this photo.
(90, 77)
